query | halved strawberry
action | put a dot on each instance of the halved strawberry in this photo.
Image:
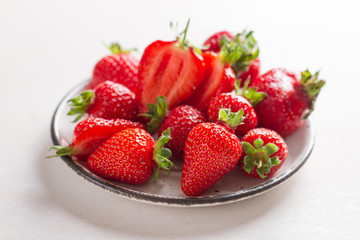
(171, 69)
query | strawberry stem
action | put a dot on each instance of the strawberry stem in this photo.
(157, 112)
(162, 154)
(259, 156)
(80, 104)
(116, 48)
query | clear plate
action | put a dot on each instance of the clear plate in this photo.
(166, 191)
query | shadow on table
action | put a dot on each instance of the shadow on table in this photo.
(121, 216)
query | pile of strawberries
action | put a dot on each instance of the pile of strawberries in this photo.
(209, 107)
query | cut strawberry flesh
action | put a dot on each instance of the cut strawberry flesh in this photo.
(168, 70)
(209, 87)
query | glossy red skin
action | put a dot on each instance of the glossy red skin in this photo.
(181, 121)
(268, 136)
(127, 157)
(286, 102)
(113, 100)
(90, 133)
(218, 78)
(119, 68)
(234, 103)
(214, 40)
(210, 153)
(253, 71)
(168, 70)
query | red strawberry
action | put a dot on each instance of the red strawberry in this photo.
(235, 102)
(211, 151)
(264, 151)
(171, 69)
(109, 100)
(130, 156)
(181, 121)
(119, 67)
(90, 133)
(290, 99)
(214, 40)
(219, 76)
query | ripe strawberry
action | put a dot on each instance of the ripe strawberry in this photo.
(264, 151)
(119, 67)
(130, 156)
(290, 99)
(90, 133)
(181, 121)
(171, 69)
(235, 102)
(211, 151)
(219, 76)
(214, 40)
(109, 100)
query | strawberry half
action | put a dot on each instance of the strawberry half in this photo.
(119, 67)
(264, 152)
(109, 100)
(171, 69)
(90, 133)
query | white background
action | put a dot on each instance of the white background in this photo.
(47, 47)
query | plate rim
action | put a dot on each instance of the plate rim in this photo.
(175, 201)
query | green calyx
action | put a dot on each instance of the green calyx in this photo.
(231, 119)
(62, 151)
(249, 51)
(156, 113)
(80, 104)
(259, 156)
(250, 94)
(162, 154)
(181, 37)
(116, 48)
(230, 51)
(312, 86)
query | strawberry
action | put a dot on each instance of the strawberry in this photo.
(290, 99)
(130, 156)
(181, 121)
(119, 67)
(211, 151)
(214, 40)
(171, 69)
(219, 76)
(109, 100)
(264, 151)
(90, 133)
(235, 102)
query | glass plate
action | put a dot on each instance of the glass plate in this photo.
(166, 191)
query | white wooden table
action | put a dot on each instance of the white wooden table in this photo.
(47, 47)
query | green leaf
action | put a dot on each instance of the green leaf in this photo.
(231, 119)
(271, 148)
(258, 143)
(62, 151)
(247, 148)
(156, 113)
(80, 104)
(248, 164)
